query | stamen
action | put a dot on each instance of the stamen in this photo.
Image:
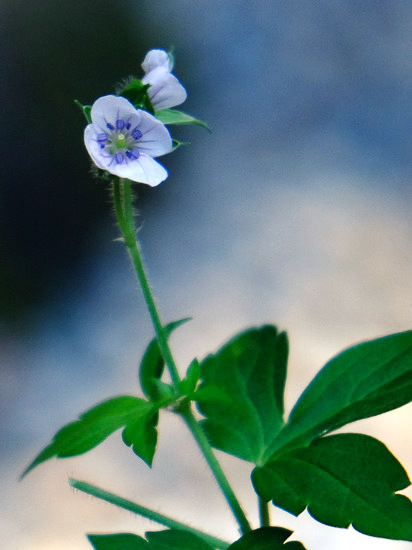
(128, 126)
(102, 137)
(110, 126)
(135, 154)
(136, 134)
(119, 158)
(119, 124)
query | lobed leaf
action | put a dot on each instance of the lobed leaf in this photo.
(249, 373)
(152, 364)
(176, 539)
(266, 538)
(173, 116)
(93, 427)
(141, 435)
(363, 381)
(342, 480)
(118, 541)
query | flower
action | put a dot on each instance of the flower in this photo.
(123, 140)
(165, 90)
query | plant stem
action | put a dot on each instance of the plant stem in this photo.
(144, 512)
(128, 230)
(214, 465)
(127, 227)
(264, 513)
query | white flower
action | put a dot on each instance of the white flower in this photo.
(123, 140)
(165, 90)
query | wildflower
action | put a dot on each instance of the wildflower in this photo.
(165, 90)
(123, 140)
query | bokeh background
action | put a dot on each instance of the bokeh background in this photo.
(296, 210)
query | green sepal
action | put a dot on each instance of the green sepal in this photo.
(118, 541)
(152, 365)
(176, 144)
(266, 538)
(136, 92)
(173, 116)
(363, 381)
(175, 539)
(347, 479)
(93, 427)
(250, 370)
(141, 435)
(86, 110)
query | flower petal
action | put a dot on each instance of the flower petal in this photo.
(143, 170)
(155, 140)
(109, 108)
(165, 90)
(156, 58)
(101, 158)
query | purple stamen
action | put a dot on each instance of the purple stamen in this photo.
(135, 154)
(110, 126)
(136, 134)
(119, 124)
(128, 126)
(119, 158)
(102, 137)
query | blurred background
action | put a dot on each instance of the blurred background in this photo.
(296, 211)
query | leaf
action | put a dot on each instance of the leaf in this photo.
(266, 538)
(173, 116)
(152, 365)
(188, 384)
(118, 541)
(136, 92)
(141, 435)
(365, 380)
(93, 427)
(250, 370)
(175, 539)
(342, 480)
(86, 110)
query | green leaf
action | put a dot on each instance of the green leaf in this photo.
(175, 539)
(266, 538)
(152, 365)
(118, 541)
(86, 110)
(188, 384)
(342, 480)
(250, 370)
(173, 116)
(136, 92)
(141, 435)
(362, 381)
(93, 427)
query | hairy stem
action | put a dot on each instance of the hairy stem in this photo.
(123, 208)
(144, 512)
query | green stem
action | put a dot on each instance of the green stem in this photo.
(144, 512)
(127, 227)
(214, 465)
(129, 233)
(264, 513)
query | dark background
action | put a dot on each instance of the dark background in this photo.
(295, 210)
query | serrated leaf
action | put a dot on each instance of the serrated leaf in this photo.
(342, 480)
(250, 370)
(173, 116)
(363, 381)
(266, 538)
(175, 539)
(118, 541)
(152, 365)
(93, 427)
(141, 435)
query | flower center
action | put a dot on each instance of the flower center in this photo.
(120, 141)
